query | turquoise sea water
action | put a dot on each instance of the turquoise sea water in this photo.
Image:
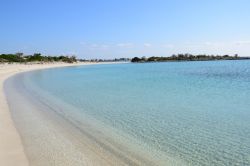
(195, 112)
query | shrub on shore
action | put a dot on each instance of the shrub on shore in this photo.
(37, 57)
(188, 57)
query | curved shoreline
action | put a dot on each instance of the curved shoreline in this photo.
(56, 138)
(11, 147)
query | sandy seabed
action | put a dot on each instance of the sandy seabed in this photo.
(38, 137)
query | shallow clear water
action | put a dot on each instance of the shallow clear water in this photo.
(197, 112)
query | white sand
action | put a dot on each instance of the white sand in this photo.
(11, 149)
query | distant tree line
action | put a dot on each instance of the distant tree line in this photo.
(37, 57)
(105, 60)
(188, 57)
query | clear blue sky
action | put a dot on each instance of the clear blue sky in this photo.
(125, 28)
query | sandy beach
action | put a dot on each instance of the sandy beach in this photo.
(11, 148)
(51, 139)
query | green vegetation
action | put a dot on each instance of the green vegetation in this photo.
(188, 57)
(37, 57)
